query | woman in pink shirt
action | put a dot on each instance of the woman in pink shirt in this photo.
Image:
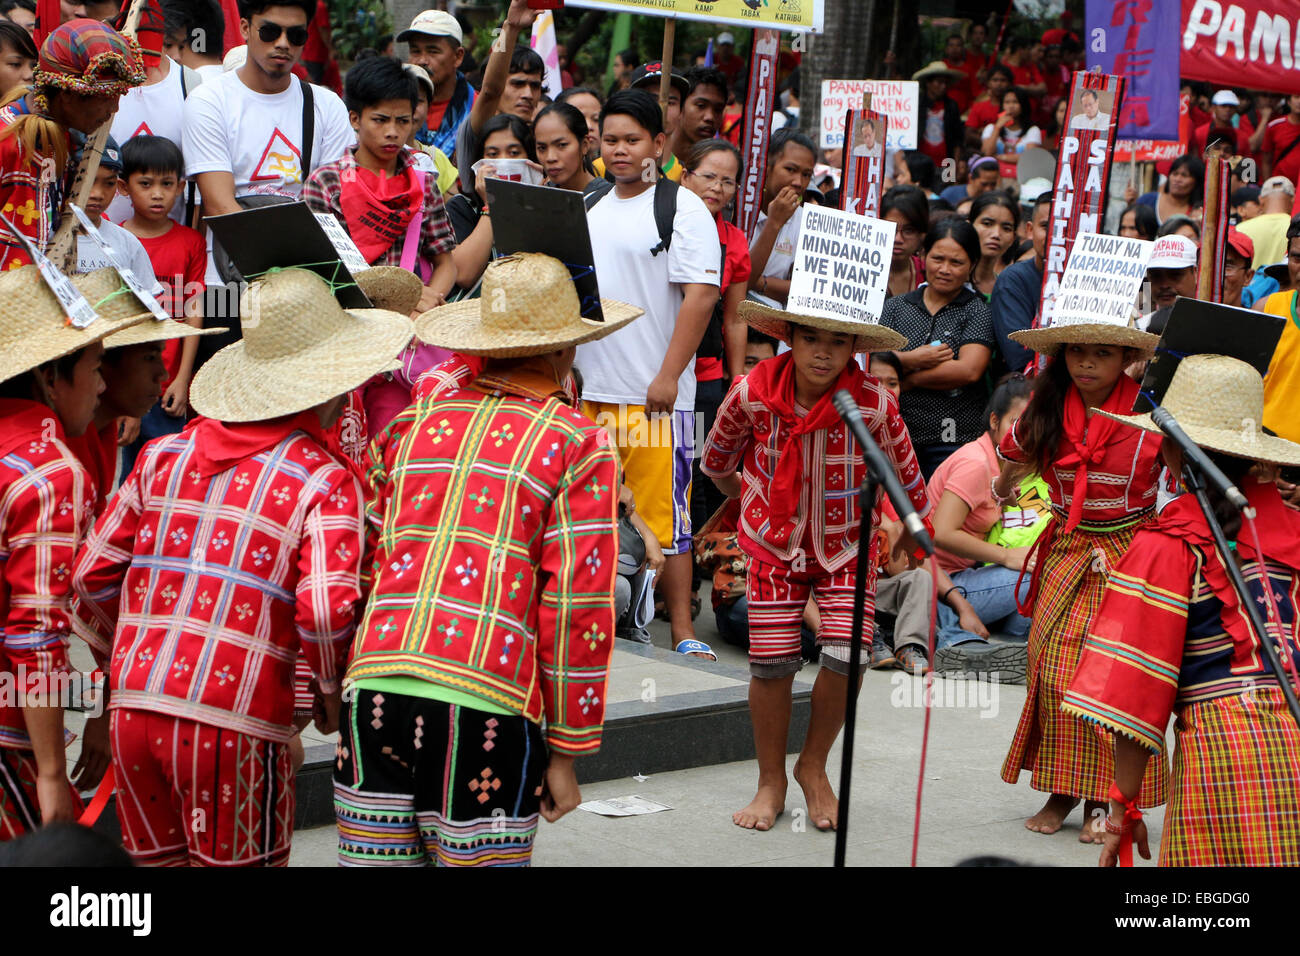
(961, 492)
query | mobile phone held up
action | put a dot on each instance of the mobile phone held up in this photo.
(545, 4)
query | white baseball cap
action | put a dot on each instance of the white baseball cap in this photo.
(726, 38)
(1173, 252)
(1276, 184)
(1225, 98)
(433, 23)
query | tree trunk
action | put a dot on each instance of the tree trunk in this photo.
(841, 51)
(845, 50)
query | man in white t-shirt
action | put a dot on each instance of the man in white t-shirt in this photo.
(640, 382)
(791, 158)
(243, 130)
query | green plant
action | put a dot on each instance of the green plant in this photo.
(358, 24)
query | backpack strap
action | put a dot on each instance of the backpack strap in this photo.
(308, 126)
(665, 212)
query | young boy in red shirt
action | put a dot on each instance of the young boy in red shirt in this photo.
(799, 529)
(153, 178)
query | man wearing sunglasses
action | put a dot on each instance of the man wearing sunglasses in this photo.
(244, 130)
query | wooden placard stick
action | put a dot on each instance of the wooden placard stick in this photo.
(1214, 226)
(666, 63)
(63, 247)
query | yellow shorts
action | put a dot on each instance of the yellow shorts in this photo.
(656, 454)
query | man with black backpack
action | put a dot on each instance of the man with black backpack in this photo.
(655, 246)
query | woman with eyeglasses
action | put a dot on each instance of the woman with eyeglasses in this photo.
(907, 208)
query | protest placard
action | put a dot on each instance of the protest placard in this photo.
(863, 179)
(756, 134)
(1102, 279)
(1082, 175)
(80, 312)
(896, 99)
(133, 282)
(841, 266)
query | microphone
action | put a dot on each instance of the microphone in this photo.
(1194, 456)
(882, 469)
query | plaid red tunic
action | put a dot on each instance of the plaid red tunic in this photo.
(1169, 640)
(494, 510)
(747, 432)
(45, 502)
(207, 586)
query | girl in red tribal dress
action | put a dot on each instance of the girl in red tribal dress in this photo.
(1170, 638)
(1103, 479)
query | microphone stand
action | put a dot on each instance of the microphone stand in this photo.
(867, 493)
(1195, 483)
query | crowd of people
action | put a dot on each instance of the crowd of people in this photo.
(452, 504)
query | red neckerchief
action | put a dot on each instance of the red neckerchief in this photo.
(378, 208)
(1077, 452)
(772, 383)
(21, 419)
(97, 452)
(219, 446)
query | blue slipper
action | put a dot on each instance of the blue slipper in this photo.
(695, 647)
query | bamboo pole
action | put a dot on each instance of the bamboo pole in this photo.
(666, 63)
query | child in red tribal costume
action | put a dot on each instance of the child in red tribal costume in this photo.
(799, 529)
(231, 546)
(1171, 638)
(49, 383)
(480, 666)
(1103, 480)
(84, 66)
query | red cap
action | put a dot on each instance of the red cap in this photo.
(1241, 244)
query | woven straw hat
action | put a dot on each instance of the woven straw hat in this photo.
(300, 348)
(35, 329)
(868, 337)
(105, 290)
(1048, 340)
(528, 306)
(391, 287)
(1219, 402)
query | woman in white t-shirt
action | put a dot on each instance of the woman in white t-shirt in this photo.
(1012, 133)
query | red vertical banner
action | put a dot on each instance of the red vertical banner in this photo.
(1082, 174)
(863, 182)
(757, 130)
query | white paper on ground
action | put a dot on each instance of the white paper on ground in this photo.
(629, 806)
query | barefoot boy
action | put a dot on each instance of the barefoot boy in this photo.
(799, 530)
